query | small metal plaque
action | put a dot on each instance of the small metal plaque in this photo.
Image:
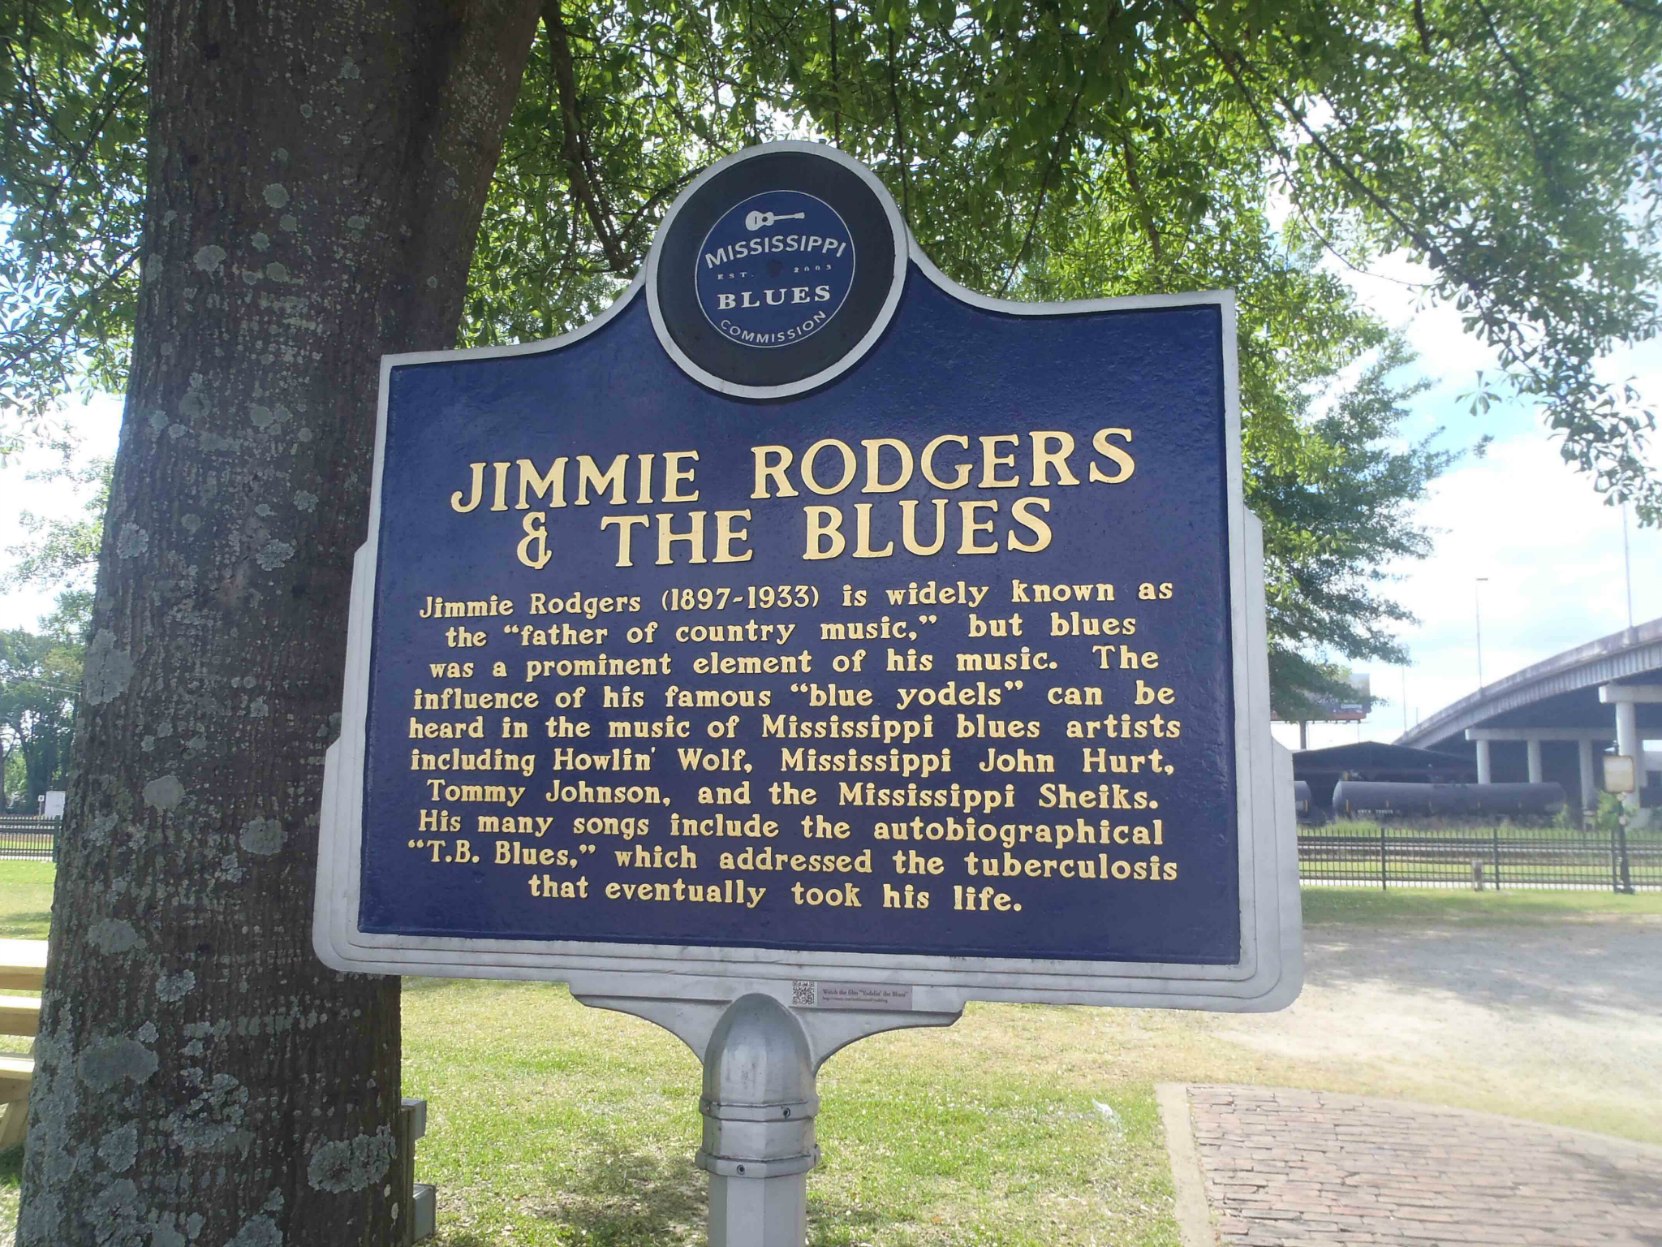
(809, 994)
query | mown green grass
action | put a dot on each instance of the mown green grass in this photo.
(26, 899)
(1424, 907)
(1004, 1129)
(554, 1125)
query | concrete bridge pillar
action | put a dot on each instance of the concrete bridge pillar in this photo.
(1626, 699)
(1589, 781)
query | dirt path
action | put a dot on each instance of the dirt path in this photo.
(1562, 1022)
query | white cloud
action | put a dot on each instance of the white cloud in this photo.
(97, 425)
(1550, 548)
(1552, 555)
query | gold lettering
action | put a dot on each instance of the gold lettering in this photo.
(770, 465)
(537, 484)
(589, 474)
(728, 535)
(967, 544)
(478, 470)
(1124, 465)
(625, 525)
(874, 473)
(694, 537)
(1045, 459)
(533, 547)
(991, 461)
(927, 464)
(825, 539)
(675, 476)
(1021, 512)
(850, 466)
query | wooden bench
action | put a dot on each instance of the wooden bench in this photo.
(22, 965)
(19, 1015)
(16, 1073)
(22, 968)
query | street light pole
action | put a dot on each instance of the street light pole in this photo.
(1627, 570)
(1477, 605)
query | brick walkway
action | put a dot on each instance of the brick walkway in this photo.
(1304, 1167)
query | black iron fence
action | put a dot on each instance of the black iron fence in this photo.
(1377, 855)
(1384, 855)
(29, 838)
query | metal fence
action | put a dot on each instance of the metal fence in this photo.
(1384, 855)
(1367, 855)
(29, 838)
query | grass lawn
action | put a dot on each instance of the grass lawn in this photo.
(1017, 1126)
(26, 899)
(1458, 907)
(554, 1125)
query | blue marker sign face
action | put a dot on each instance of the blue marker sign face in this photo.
(775, 269)
(932, 665)
(927, 666)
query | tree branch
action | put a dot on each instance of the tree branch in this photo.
(1422, 26)
(1136, 184)
(1235, 66)
(1063, 137)
(574, 143)
(899, 133)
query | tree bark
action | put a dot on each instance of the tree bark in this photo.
(317, 170)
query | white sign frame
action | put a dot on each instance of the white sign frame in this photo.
(1267, 976)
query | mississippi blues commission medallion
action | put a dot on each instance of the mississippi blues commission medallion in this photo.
(767, 276)
(776, 271)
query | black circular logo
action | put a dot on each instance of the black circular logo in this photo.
(776, 270)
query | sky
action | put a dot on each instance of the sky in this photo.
(1523, 549)
(1548, 551)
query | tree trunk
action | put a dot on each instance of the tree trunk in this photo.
(316, 174)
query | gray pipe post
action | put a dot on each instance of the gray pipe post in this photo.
(759, 1107)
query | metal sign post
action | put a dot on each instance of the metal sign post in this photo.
(761, 1060)
(806, 647)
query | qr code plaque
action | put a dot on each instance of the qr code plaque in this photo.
(804, 993)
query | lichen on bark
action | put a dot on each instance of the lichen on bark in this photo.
(188, 1098)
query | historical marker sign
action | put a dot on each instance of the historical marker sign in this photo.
(808, 623)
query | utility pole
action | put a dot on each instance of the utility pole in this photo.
(1477, 604)
(1627, 569)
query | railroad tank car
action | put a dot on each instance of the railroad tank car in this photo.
(1354, 796)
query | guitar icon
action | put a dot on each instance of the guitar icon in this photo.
(761, 220)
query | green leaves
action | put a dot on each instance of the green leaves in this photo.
(39, 678)
(71, 187)
(1040, 150)
(1331, 492)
